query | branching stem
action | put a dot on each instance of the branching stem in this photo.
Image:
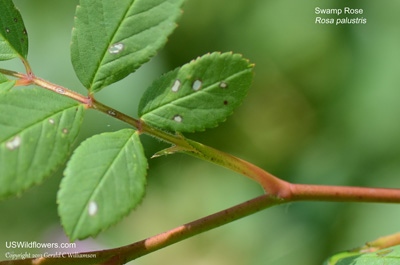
(277, 191)
(271, 184)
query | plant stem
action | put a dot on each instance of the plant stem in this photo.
(154, 243)
(271, 184)
(130, 252)
(277, 190)
(13, 73)
(301, 192)
(114, 113)
(28, 68)
(381, 243)
(62, 90)
(32, 79)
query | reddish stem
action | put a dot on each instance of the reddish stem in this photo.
(27, 68)
(278, 191)
(301, 192)
(131, 252)
(62, 90)
(381, 243)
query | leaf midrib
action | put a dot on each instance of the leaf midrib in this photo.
(102, 178)
(7, 41)
(39, 121)
(100, 64)
(205, 89)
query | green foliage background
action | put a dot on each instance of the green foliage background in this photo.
(323, 109)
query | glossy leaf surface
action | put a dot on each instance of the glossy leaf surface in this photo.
(198, 95)
(111, 39)
(104, 180)
(13, 36)
(37, 129)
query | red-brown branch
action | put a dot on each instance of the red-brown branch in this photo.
(130, 252)
(300, 192)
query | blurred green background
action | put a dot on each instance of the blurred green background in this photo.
(323, 109)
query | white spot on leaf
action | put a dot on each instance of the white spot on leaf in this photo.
(197, 85)
(116, 48)
(14, 143)
(178, 118)
(92, 208)
(65, 131)
(223, 85)
(175, 87)
(51, 121)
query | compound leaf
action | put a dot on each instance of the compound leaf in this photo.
(385, 256)
(104, 180)
(198, 95)
(13, 36)
(37, 129)
(111, 39)
(5, 83)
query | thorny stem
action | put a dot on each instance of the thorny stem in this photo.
(277, 190)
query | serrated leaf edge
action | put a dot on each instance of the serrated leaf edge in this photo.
(217, 122)
(72, 235)
(21, 56)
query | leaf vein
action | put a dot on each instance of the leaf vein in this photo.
(109, 43)
(185, 97)
(102, 178)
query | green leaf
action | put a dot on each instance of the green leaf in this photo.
(13, 36)
(385, 256)
(5, 83)
(111, 39)
(198, 95)
(37, 129)
(104, 180)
